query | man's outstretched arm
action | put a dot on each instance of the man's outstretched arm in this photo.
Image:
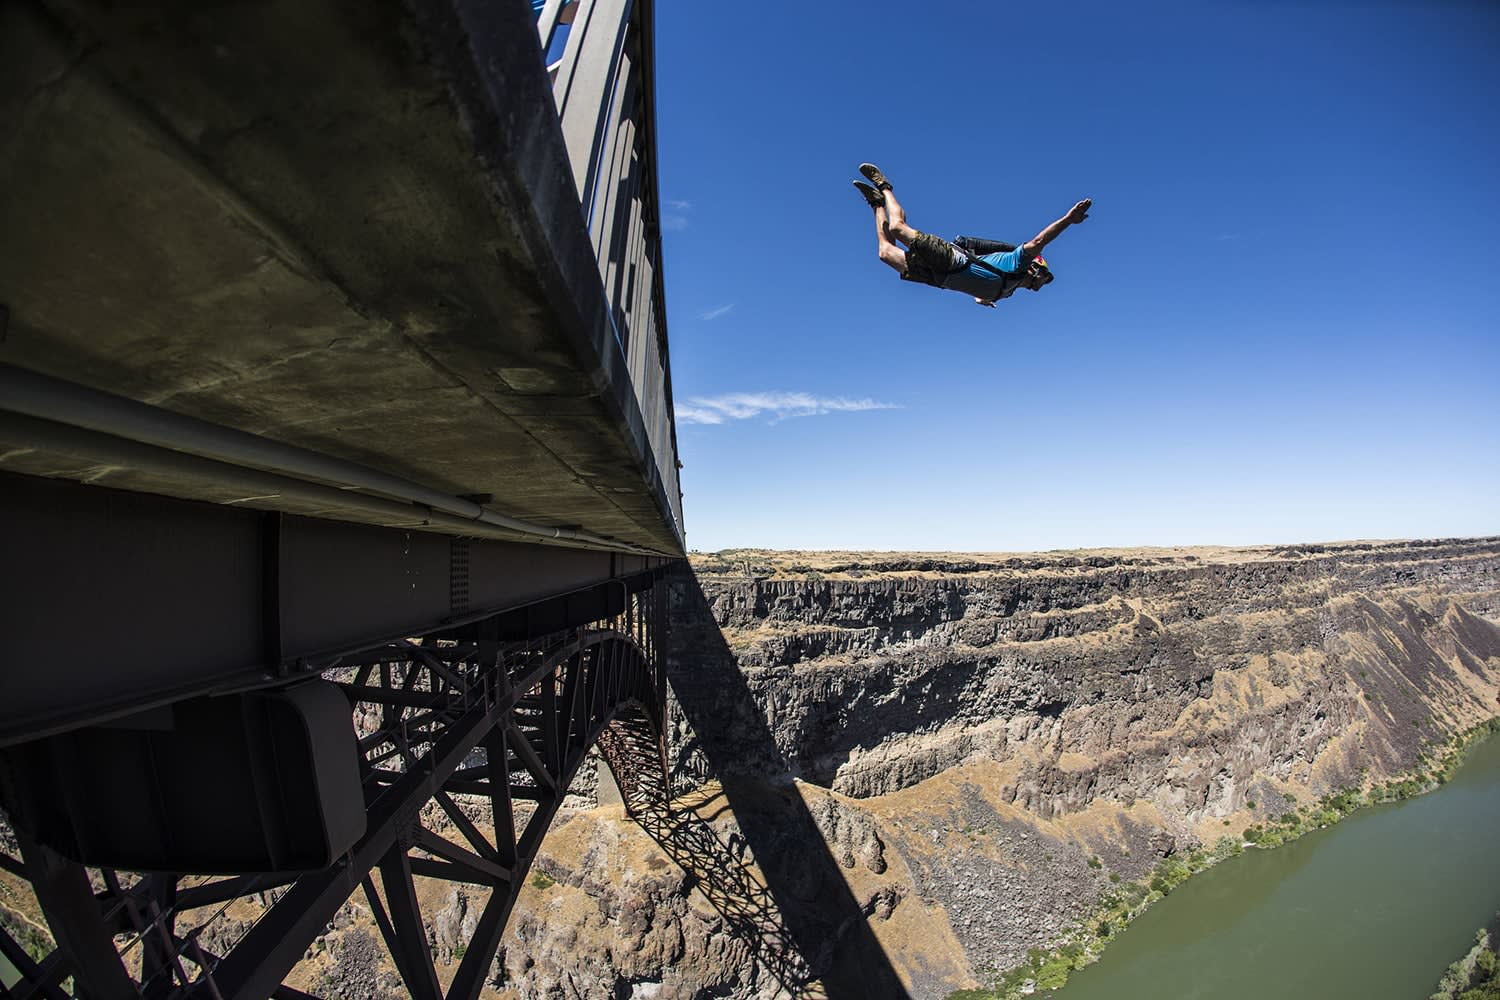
(1077, 213)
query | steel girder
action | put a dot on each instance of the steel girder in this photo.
(467, 745)
(163, 599)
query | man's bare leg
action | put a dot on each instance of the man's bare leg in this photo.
(896, 218)
(896, 224)
(1075, 215)
(889, 252)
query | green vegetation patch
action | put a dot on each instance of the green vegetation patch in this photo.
(1432, 770)
(28, 935)
(1476, 976)
(1042, 970)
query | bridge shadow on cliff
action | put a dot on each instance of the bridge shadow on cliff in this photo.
(726, 881)
(818, 913)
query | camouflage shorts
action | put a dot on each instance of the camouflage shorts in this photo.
(933, 253)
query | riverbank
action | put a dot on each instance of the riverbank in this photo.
(1476, 976)
(1084, 943)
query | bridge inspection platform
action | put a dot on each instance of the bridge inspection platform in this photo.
(338, 473)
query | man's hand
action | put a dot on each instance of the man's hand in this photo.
(1076, 214)
(986, 302)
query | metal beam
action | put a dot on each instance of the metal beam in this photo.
(451, 852)
(274, 945)
(580, 665)
(408, 941)
(37, 979)
(62, 889)
(121, 425)
(180, 599)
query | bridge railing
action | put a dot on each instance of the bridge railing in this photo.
(601, 60)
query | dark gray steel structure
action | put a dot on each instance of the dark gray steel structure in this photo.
(338, 477)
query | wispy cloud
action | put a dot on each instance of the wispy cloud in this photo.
(675, 217)
(1223, 237)
(716, 312)
(777, 405)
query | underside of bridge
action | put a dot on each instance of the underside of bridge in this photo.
(337, 469)
(344, 227)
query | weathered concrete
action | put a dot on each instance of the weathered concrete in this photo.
(343, 226)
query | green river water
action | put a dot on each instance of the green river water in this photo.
(1374, 907)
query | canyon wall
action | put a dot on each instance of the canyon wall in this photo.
(1179, 679)
(918, 767)
(896, 773)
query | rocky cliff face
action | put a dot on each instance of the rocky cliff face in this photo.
(1179, 679)
(925, 765)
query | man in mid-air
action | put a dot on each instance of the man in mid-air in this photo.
(986, 269)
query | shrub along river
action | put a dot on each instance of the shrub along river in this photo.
(1373, 907)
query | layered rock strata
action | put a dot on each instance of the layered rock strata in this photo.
(934, 763)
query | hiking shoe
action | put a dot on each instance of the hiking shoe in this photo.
(874, 176)
(873, 197)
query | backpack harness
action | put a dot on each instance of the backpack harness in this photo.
(973, 249)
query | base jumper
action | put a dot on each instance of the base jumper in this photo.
(988, 270)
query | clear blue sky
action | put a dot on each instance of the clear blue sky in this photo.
(1280, 323)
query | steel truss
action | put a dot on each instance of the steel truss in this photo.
(468, 740)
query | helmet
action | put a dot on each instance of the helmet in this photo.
(1039, 270)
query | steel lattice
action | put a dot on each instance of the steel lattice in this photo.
(466, 747)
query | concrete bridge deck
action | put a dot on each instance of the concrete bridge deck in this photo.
(345, 228)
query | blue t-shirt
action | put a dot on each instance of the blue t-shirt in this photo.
(983, 283)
